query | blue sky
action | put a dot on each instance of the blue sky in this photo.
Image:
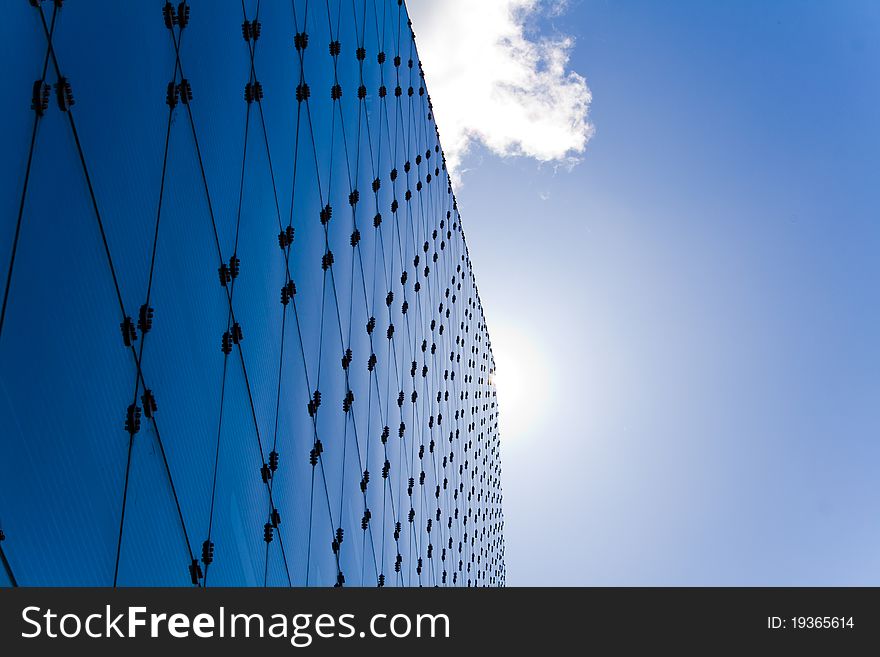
(687, 320)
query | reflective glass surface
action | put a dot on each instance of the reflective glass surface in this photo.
(241, 341)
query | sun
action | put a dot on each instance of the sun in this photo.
(521, 377)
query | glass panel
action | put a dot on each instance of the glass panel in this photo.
(349, 345)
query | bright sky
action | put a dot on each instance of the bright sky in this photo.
(681, 285)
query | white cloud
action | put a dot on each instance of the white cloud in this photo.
(492, 81)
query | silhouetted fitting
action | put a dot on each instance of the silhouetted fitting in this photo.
(371, 363)
(273, 460)
(129, 334)
(225, 276)
(237, 335)
(251, 30)
(302, 92)
(253, 91)
(386, 468)
(265, 473)
(268, 532)
(64, 94)
(404, 307)
(149, 402)
(208, 552)
(335, 48)
(336, 92)
(382, 91)
(377, 220)
(354, 197)
(169, 14)
(285, 237)
(390, 332)
(133, 419)
(362, 92)
(409, 488)
(185, 91)
(313, 457)
(326, 214)
(234, 266)
(397, 60)
(183, 15)
(361, 54)
(288, 290)
(403, 278)
(195, 572)
(371, 324)
(401, 430)
(301, 40)
(385, 433)
(397, 532)
(340, 580)
(226, 343)
(40, 97)
(327, 260)
(398, 92)
(380, 58)
(275, 518)
(145, 318)
(348, 401)
(389, 299)
(400, 398)
(171, 95)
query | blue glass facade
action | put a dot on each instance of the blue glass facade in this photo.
(241, 342)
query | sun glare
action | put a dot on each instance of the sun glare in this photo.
(521, 378)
